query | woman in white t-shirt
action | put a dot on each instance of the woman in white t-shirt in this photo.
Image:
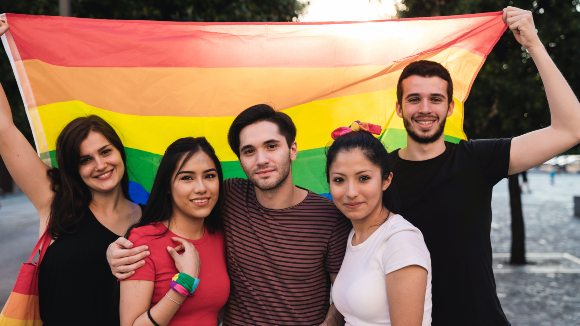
(385, 278)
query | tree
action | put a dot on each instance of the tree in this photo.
(507, 98)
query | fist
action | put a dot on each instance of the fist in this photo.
(521, 23)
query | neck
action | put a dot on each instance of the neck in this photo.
(365, 227)
(284, 196)
(421, 152)
(187, 227)
(108, 203)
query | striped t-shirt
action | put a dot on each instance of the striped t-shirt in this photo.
(279, 259)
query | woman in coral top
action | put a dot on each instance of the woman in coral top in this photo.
(182, 227)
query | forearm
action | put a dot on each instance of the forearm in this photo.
(22, 161)
(333, 317)
(163, 311)
(564, 106)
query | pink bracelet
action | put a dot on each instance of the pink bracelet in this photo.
(179, 288)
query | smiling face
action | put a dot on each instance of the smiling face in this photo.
(265, 156)
(356, 185)
(195, 188)
(425, 107)
(101, 165)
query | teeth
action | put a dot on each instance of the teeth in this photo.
(105, 175)
(199, 201)
(425, 122)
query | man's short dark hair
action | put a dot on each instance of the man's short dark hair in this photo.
(258, 113)
(425, 68)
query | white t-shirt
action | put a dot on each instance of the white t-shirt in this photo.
(359, 291)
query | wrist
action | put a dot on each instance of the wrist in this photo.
(184, 284)
(535, 47)
(194, 274)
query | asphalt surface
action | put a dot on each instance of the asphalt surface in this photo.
(544, 292)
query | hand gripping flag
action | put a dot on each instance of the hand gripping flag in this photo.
(158, 81)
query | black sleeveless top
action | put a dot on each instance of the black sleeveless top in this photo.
(75, 284)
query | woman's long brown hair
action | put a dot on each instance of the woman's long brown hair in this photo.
(71, 195)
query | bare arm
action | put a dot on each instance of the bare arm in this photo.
(136, 295)
(21, 159)
(333, 317)
(406, 295)
(136, 300)
(537, 147)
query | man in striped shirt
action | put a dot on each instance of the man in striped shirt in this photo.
(285, 244)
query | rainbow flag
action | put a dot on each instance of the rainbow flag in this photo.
(159, 81)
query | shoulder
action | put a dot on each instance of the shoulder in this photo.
(399, 230)
(316, 202)
(235, 185)
(324, 209)
(236, 182)
(146, 234)
(477, 146)
(404, 246)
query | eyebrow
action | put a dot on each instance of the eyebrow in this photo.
(432, 94)
(363, 171)
(192, 172)
(100, 149)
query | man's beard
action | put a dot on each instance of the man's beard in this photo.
(271, 185)
(422, 139)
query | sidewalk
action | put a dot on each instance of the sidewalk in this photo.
(18, 235)
(547, 290)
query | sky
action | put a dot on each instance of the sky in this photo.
(348, 10)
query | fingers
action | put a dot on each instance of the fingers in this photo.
(124, 243)
(129, 260)
(172, 253)
(179, 248)
(123, 272)
(510, 12)
(184, 244)
(3, 27)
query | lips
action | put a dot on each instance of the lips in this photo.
(353, 205)
(200, 202)
(264, 172)
(104, 176)
(425, 122)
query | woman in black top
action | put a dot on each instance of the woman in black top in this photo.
(84, 205)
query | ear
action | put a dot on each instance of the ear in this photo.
(451, 107)
(293, 151)
(387, 181)
(399, 109)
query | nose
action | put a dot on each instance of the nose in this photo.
(262, 158)
(101, 165)
(351, 190)
(425, 106)
(199, 186)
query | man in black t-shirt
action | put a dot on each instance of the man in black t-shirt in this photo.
(445, 189)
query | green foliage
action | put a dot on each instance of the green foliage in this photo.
(167, 10)
(507, 98)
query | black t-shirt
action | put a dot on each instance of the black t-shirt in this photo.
(449, 199)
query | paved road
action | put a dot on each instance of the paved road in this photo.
(545, 292)
(18, 235)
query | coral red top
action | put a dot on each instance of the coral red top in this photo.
(213, 290)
